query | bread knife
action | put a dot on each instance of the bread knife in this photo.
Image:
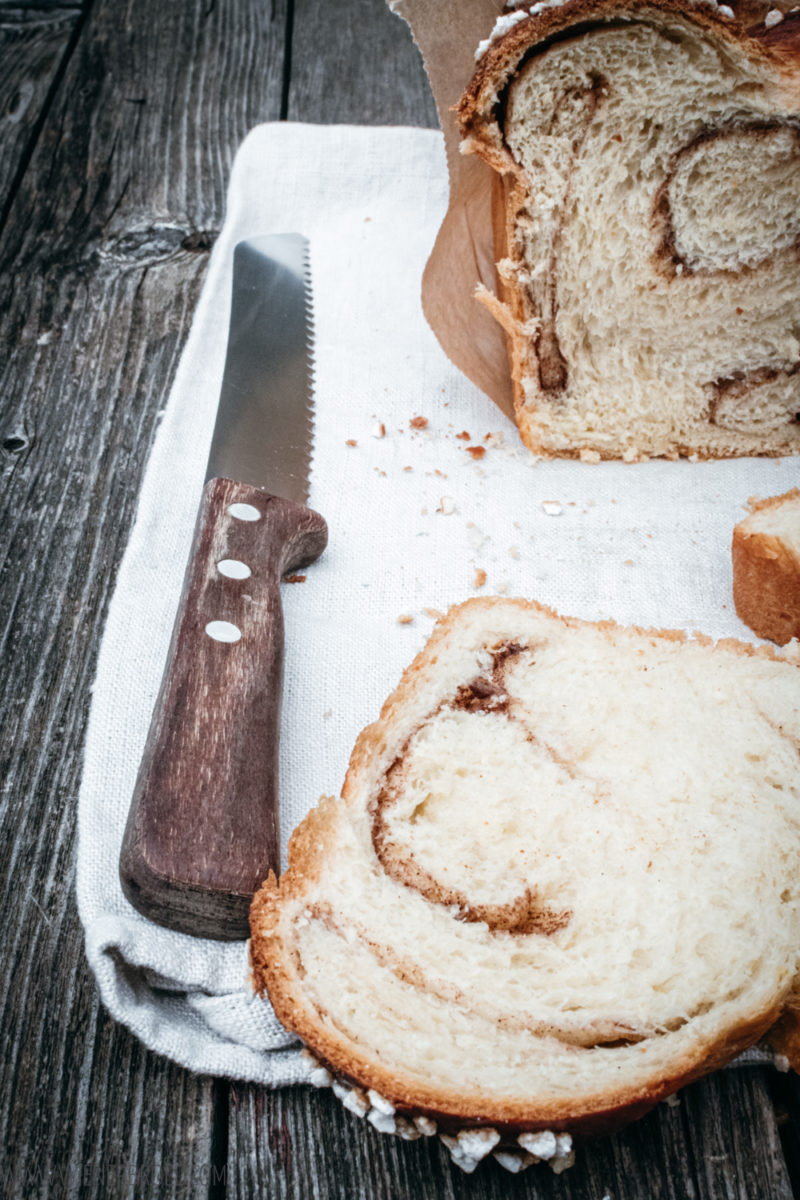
(202, 831)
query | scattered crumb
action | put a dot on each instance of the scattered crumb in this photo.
(552, 508)
(419, 422)
(446, 506)
(476, 451)
(495, 439)
(464, 436)
(434, 613)
(513, 551)
(326, 716)
(773, 17)
(480, 578)
(294, 579)
(405, 619)
(408, 468)
(589, 456)
(351, 442)
(504, 587)
(476, 538)
(673, 1101)
(628, 562)
(379, 431)
(441, 474)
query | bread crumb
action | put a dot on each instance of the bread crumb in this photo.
(408, 468)
(773, 17)
(379, 431)
(405, 619)
(589, 456)
(513, 551)
(628, 562)
(552, 508)
(351, 442)
(464, 436)
(446, 506)
(480, 578)
(294, 579)
(476, 451)
(434, 613)
(419, 422)
(476, 538)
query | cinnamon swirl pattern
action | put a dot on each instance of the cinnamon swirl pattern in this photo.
(648, 269)
(559, 882)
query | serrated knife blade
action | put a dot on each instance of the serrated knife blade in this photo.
(263, 431)
(202, 831)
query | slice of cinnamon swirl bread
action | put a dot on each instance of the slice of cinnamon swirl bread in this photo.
(766, 567)
(560, 881)
(648, 224)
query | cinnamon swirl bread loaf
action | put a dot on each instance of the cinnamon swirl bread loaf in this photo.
(648, 224)
(766, 567)
(560, 882)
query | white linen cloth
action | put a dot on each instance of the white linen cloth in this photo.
(412, 517)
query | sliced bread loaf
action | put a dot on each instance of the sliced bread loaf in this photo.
(560, 881)
(647, 225)
(766, 567)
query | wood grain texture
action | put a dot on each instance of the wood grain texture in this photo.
(203, 827)
(304, 1143)
(355, 62)
(34, 46)
(101, 270)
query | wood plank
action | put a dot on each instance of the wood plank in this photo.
(355, 62)
(785, 1094)
(102, 261)
(734, 1136)
(303, 1143)
(33, 46)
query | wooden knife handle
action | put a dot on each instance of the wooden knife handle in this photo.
(203, 826)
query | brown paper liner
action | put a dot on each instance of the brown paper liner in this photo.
(447, 33)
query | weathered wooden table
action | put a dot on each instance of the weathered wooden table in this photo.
(118, 125)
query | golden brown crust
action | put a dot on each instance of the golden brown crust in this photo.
(776, 48)
(766, 577)
(272, 953)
